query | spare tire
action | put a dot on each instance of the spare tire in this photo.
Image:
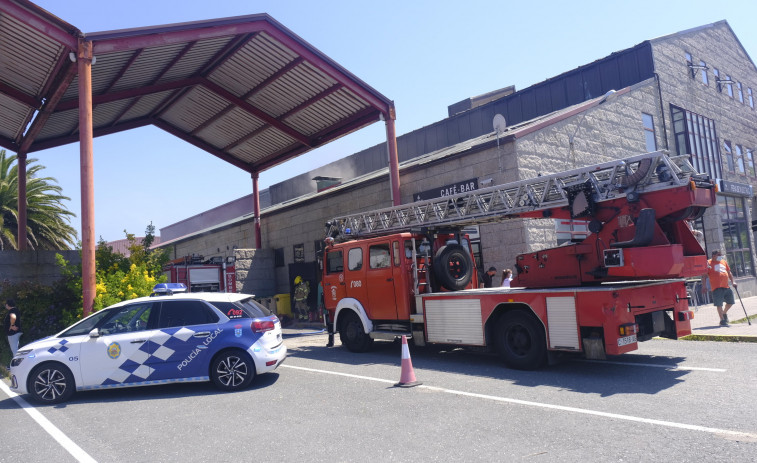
(453, 267)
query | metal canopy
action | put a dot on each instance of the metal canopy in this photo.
(245, 89)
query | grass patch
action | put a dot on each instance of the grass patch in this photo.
(744, 320)
(717, 338)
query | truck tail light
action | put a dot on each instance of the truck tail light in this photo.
(261, 326)
(628, 329)
(685, 315)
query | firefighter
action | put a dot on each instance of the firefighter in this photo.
(301, 292)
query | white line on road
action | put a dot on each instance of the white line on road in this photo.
(670, 424)
(669, 367)
(51, 429)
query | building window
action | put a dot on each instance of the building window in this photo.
(729, 86)
(750, 162)
(750, 97)
(649, 134)
(739, 157)
(729, 156)
(716, 73)
(703, 69)
(736, 235)
(299, 252)
(696, 137)
(278, 257)
(739, 92)
(689, 61)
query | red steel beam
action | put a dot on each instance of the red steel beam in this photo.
(42, 21)
(84, 62)
(20, 96)
(107, 130)
(202, 145)
(134, 92)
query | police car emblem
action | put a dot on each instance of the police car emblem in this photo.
(114, 350)
(238, 331)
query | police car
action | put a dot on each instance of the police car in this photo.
(168, 337)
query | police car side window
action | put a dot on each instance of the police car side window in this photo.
(126, 319)
(185, 313)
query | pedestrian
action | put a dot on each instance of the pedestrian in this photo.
(486, 278)
(719, 273)
(507, 277)
(12, 325)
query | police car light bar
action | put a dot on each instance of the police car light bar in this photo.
(169, 288)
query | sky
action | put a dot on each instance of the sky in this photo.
(424, 55)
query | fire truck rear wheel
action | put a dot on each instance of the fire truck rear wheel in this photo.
(352, 335)
(453, 267)
(520, 341)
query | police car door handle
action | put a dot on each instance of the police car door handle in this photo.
(204, 334)
(138, 341)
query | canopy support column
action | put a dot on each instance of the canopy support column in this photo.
(394, 166)
(256, 210)
(21, 235)
(88, 280)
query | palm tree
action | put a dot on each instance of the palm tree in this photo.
(47, 220)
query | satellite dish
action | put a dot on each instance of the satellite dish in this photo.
(499, 124)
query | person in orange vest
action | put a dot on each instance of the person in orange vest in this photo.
(719, 274)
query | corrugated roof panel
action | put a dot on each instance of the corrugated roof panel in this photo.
(292, 89)
(60, 124)
(195, 59)
(105, 69)
(262, 145)
(106, 113)
(148, 66)
(12, 116)
(27, 56)
(260, 58)
(335, 107)
(234, 125)
(194, 108)
(146, 105)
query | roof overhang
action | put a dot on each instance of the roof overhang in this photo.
(245, 89)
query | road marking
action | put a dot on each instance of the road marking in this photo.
(51, 429)
(669, 367)
(670, 424)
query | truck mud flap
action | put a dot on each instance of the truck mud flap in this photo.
(594, 348)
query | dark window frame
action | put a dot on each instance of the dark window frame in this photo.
(649, 130)
(696, 137)
(736, 235)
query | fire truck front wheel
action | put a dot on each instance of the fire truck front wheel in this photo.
(351, 333)
(520, 341)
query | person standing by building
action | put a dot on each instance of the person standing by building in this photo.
(12, 325)
(486, 278)
(507, 277)
(719, 274)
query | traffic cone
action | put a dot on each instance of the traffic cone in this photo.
(407, 378)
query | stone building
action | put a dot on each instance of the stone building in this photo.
(691, 93)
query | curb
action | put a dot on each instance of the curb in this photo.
(718, 338)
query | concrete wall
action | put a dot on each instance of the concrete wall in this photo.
(254, 272)
(34, 266)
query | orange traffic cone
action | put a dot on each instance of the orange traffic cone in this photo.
(407, 378)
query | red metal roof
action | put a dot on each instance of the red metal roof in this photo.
(245, 89)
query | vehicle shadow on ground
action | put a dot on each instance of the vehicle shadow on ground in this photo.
(603, 378)
(143, 393)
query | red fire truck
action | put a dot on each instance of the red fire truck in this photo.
(199, 274)
(408, 270)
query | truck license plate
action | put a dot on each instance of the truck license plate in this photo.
(626, 340)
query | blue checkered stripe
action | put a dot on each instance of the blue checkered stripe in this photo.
(60, 347)
(156, 350)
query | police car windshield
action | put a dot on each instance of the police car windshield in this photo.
(246, 308)
(86, 325)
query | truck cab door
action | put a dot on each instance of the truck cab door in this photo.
(333, 278)
(380, 282)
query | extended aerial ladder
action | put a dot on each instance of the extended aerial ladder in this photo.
(635, 208)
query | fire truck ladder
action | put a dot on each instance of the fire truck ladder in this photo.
(602, 182)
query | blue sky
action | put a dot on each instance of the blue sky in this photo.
(423, 55)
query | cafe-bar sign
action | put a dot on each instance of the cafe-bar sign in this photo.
(741, 189)
(463, 186)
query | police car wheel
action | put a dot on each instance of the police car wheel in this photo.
(51, 383)
(521, 341)
(232, 370)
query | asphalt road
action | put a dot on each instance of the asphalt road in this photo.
(671, 400)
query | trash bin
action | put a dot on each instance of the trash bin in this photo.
(283, 304)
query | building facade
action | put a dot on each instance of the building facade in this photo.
(691, 93)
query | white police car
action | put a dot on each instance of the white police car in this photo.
(224, 337)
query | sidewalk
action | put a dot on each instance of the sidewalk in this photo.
(706, 323)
